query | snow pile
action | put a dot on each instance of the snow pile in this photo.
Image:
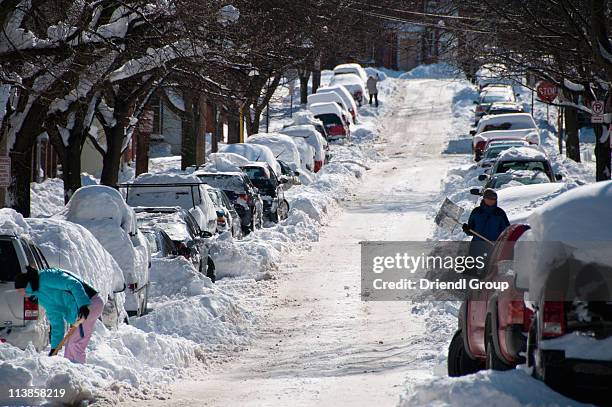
(47, 197)
(376, 72)
(12, 222)
(434, 71)
(522, 153)
(253, 152)
(225, 162)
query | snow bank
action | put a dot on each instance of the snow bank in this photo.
(433, 71)
(522, 153)
(47, 197)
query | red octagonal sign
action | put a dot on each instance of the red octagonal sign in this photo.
(547, 92)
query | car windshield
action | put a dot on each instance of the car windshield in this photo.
(522, 165)
(224, 181)
(329, 119)
(9, 263)
(520, 177)
(256, 173)
(494, 151)
(496, 97)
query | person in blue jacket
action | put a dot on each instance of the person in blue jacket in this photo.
(66, 299)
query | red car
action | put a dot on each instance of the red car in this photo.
(493, 324)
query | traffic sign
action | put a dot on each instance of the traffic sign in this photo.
(547, 91)
(598, 111)
(5, 172)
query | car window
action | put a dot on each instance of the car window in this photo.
(37, 257)
(168, 243)
(255, 173)
(9, 262)
(522, 165)
(29, 255)
(192, 225)
(213, 197)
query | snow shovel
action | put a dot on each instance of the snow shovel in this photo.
(68, 334)
(449, 215)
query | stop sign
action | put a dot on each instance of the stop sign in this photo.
(547, 91)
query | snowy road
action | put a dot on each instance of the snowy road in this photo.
(320, 343)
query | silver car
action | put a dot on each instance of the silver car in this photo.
(21, 320)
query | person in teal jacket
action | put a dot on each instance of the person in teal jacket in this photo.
(66, 299)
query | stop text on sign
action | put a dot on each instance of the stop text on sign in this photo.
(547, 91)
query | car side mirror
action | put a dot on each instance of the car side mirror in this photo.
(205, 234)
(483, 177)
(475, 191)
(472, 133)
(558, 177)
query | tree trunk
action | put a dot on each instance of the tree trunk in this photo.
(602, 154)
(304, 76)
(316, 80)
(71, 166)
(19, 191)
(572, 146)
(111, 161)
(189, 125)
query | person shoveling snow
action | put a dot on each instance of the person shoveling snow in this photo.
(64, 298)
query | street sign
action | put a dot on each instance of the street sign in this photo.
(547, 91)
(598, 111)
(5, 172)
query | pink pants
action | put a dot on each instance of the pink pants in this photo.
(76, 345)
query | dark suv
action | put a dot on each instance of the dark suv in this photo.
(241, 192)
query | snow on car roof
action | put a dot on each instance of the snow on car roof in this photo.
(522, 153)
(521, 201)
(253, 152)
(348, 79)
(304, 117)
(149, 178)
(326, 97)
(515, 121)
(325, 108)
(282, 146)
(12, 223)
(171, 223)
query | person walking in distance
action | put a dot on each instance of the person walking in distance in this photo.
(373, 88)
(65, 298)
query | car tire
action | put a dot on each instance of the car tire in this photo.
(493, 362)
(210, 269)
(458, 361)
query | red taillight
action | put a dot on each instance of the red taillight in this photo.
(30, 310)
(480, 145)
(133, 286)
(318, 165)
(245, 198)
(554, 319)
(2, 340)
(358, 94)
(480, 109)
(337, 130)
(183, 250)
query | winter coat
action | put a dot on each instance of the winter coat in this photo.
(372, 85)
(489, 221)
(61, 295)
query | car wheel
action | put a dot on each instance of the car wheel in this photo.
(493, 362)
(458, 361)
(210, 270)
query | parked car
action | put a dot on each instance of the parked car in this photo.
(290, 176)
(185, 191)
(242, 194)
(492, 324)
(493, 148)
(283, 147)
(22, 320)
(513, 177)
(275, 206)
(336, 123)
(480, 140)
(228, 219)
(523, 159)
(182, 228)
(353, 84)
(504, 108)
(306, 117)
(314, 139)
(566, 273)
(492, 74)
(489, 96)
(355, 69)
(508, 121)
(159, 242)
(102, 211)
(330, 97)
(253, 152)
(341, 91)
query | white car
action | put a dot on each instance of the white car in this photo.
(102, 211)
(283, 147)
(354, 69)
(334, 118)
(185, 191)
(253, 152)
(345, 95)
(508, 121)
(492, 95)
(353, 84)
(314, 139)
(329, 97)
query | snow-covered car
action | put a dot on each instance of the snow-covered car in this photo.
(73, 248)
(508, 121)
(241, 192)
(480, 140)
(228, 219)
(160, 244)
(185, 191)
(344, 94)
(275, 206)
(566, 271)
(355, 69)
(190, 241)
(493, 148)
(353, 84)
(516, 178)
(505, 108)
(523, 159)
(306, 117)
(489, 96)
(334, 118)
(283, 147)
(22, 320)
(314, 139)
(102, 211)
(492, 74)
(253, 152)
(330, 97)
